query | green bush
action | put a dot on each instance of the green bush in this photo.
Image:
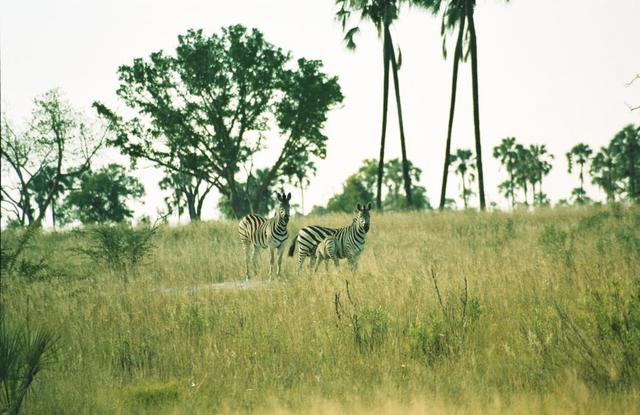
(120, 248)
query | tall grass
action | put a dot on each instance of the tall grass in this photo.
(533, 312)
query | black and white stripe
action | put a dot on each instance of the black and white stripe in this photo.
(327, 251)
(261, 233)
(349, 241)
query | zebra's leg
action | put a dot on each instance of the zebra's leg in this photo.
(247, 247)
(280, 254)
(315, 269)
(335, 262)
(301, 259)
(256, 252)
(312, 261)
(326, 265)
(271, 260)
(354, 263)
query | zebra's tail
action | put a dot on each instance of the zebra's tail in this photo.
(292, 247)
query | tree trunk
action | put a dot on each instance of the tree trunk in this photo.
(454, 86)
(476, 104)
(464, 192)
(53, 212)
(385, 105)
(540, 189)
(234, 198)
(581, 180)
(194, 215)
(301, 197)
(513, 190)
(405, 164)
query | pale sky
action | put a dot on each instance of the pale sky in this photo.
(551, 72)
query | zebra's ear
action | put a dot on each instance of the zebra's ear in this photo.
(369, 206)
(359, 207)
(288, 196)
(279, 196)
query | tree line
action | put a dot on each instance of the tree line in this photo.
(615, 169)
(204, 113)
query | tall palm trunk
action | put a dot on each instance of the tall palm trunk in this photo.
(473, 43)
(464, 191)
(405, 164)
(385, 104)
(454, 86)
(513, 189)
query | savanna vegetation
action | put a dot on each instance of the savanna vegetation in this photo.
(454, 312)
(531, 310)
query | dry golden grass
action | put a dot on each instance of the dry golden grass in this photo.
(543, 289)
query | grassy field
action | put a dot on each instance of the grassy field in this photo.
(549, 321)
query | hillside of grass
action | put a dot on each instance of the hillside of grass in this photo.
(458, 312)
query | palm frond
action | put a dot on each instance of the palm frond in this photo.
(349, 37)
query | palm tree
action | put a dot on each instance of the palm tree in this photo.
(456, 14)
(541, 164)
(523, 170)
(507, 154)
(603, 172)
(579, 154)
(381, 13)
(461, 161)
(626, 146)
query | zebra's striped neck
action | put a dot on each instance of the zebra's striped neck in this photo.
(279, 224)
(357, 230)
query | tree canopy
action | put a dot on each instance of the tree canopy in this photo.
(39, 161)
(210, 108)
(360, 188)
(101, 196)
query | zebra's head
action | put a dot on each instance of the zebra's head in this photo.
(363, 218)
(283, 209)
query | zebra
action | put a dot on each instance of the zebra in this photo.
(262, 233)
(327, 251)
(349, 241)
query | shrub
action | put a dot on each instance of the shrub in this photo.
(445, 334)
(557, 243)
(121, 248)
(606, 342)
(22, 356)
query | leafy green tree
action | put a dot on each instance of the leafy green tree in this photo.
(38, 163)
(462, 163)
(603, 172)
(394, 181)
(523, 171)
(456, 15)
(626, 149)
(353, 192)
(506, 153)
(381, 13)
(245, 191)
(206, 111)
(188, 192)
(101, 196)
(40, 185)
(580, 154)
(361, 186)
